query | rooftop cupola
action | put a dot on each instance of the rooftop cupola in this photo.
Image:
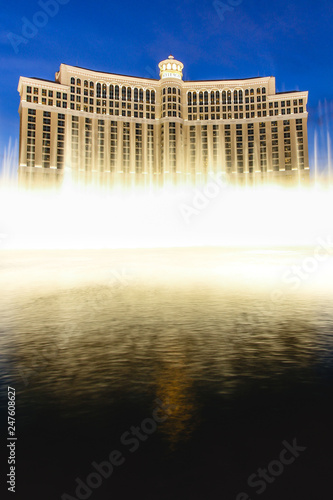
(171, 68)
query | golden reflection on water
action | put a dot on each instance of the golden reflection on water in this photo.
(175, 388)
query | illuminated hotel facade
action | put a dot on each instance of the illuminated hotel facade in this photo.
(140, 129)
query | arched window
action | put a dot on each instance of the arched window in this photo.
(111, 91)
(224, 97)
(200, 98)
(78, 81)
(235, 96)
(123, 93)
(72, 81)
(212, 97)
(251, 91)
(140, 95)
(194, 98)
(98, 90)
(86, 83)
(217, 97)
(164, 91)
(264, 90)
(169, 90)
(136, 95)
(189, 98)
(240, 93)
(116, 92)
(229, 97)
(129, 93)
(206, 98)
(147, 95)
(246, 91)
(152, 96)
(91, 85)
(174, 90)
(104, 91)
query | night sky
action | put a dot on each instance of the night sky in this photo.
(215, 40)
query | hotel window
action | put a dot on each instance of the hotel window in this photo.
(204, 146)
(98, 90)
(126, 146)
(123, 93)
(215, 143)
(150, 145)
(192, 147)
(138, 147)
(36, 91)
(31, 140)
(50, 93)
(152, 97)
(113, 146)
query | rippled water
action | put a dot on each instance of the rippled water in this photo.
(91, 339)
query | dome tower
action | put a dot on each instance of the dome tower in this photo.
(171, 68)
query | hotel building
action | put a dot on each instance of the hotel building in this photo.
(144, 130)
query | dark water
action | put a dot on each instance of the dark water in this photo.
(94, 342)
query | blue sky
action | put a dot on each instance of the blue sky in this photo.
(289, 40)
